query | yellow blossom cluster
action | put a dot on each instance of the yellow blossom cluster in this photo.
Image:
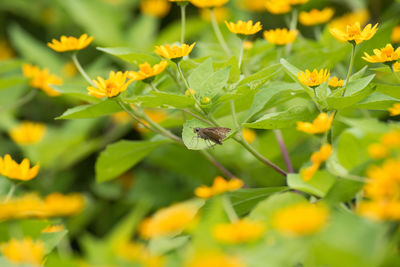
(335, 82)
(315, 16)
(41, 79)
(387, 55)
(12, 170)
(156, 8)
(282, 6)
(317, 158)
(313, 78)
(253, 5)
(244, 27)
(280, 36)
(238, 232)
(32, 206)
(214, 259)
(147, 71)
(219, 186)
(208, 3)
(353, 33)
(28, 133)
(25, 251)
(174, 51)
(388, 141)
(70, 43)
(321, 124)
(115, 84)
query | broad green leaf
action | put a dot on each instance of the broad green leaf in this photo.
(284, 119)
(102, 108)
(292, 71)
(200, 73)
(10, 65)
(319, 184)
(245, 199)
(388, 89)
(343, 190)
(132, 55)
(163, 100)
(351, 151)
(121, 156)
(51, 240)
(143, 32)
(190, 138)
(213, 84)
(259, 78)
(234, 73)
(76, 91)
(367, 125)
(7, 82)
(377, 101)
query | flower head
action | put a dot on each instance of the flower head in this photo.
(278, 6)
(396, 67)
(249, 135)
(219, 186)
(354, 33)
(280, 36)
(238, 232)
(384, 55)
(146, 71)
(313, 78)
(41, 79)
(70, 43)
(156, 8)
(174, 51)
(214, 259)
(25, 251)
(320, 125)
(377, 151)
(208, 3)
(335, 82)
(11, 169)
(170, 220)
(113, 86)
(315, 16)
(243, 27)
(395, 37)
(253, 5)
(221, 14)
(317, 158)
(395, 110)
(300, 219)
(28, 133)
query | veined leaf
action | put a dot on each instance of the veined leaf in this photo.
(377, 101)
(319, 184)
(100, 109)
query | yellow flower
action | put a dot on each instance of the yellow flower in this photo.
(253, 5)
(249, 135)
(137, 252)
(320, 125)
(57, 204)
(297, 2)
(70, 43)
(248, 45)
(147, 71)
(121, 117)
(53, 228)
(278, 6)
(174, 51)
(313, 78)
(377, 151)
(170, 220)
(315, 16)
(11, 169)
(215, 259)
(300, 219)
(396, 34)
(220, 185)
(208, 3)
(335, 82)
(28, 133)
(221, 13)
(238, 232)
(155, 115)
(245, 28)
(396, 67)
(24, 251)
(317, 158)
(383, 55)
(41, 79)
(354, 34)
(380, 210)
(361, 16)
(6, 51)
(69, 69)
(156, 8)
(280, 36)
(395, 110)
(391, 139)
(113, 86)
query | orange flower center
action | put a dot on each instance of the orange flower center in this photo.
(110, 87)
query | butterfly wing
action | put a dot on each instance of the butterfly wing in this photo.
(216, 134)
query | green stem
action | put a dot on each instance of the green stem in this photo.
(284, 150)
(230, 212)
(81, 70)
(241, 53)
(353, 52)
(133, 114)
(154, 88)
(183, 22)
(217, 164)
(197, 117)
(395, 73)
(10, 193)
(187, 84)
(218, 33)
(292, 27)
(234, 117)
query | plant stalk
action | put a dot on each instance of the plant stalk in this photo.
(284, 150)
(81, 70)
(218, 33)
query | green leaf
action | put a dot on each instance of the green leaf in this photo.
(7, 82)
(367, 125)
(292, 71)
(162, 100)
(377, 101)
(51, 240)
(102, 108)
(132, 55)
(319, 184)
(390, 90)
(343, 190)
(244, 200)
(10, 65)
(284, 119)
(121, 156)
(190, 138)
(76, 91)
(259, 78)
(200, 73)
(350, 151)
(213, 84)
(143, 32)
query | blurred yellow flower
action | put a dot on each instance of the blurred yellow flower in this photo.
(253, 5)
(170, 220)
(361, 16)
(391, 139)
(155, 115)
(28, 133)
(321, 124)
(53, 228)
(395, 37)
(41, 79)
(315, 16)
(297, 2)
(219, 186)
(11, 169)
(317, 158)
(241, 231)
(70, 43)
(6, 51)
(377, 151)
(313, 78)
(215, 259)
(380, 210)
(249, 135)
(121, 117)
(395, 110)
(278, 6)
(280, 36)
(25, 251)
(354, 33)
(221, 13)
(136, 252)
(147, 71)
(300, 219)
(174, 51)
(248, 45)
(243, 27)
(383, 55)
(113, 86)
(156, 8)
(69, 69)
(335, 82)
(208, 3)
(396, 67)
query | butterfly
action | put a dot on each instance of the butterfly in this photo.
(213, 134)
